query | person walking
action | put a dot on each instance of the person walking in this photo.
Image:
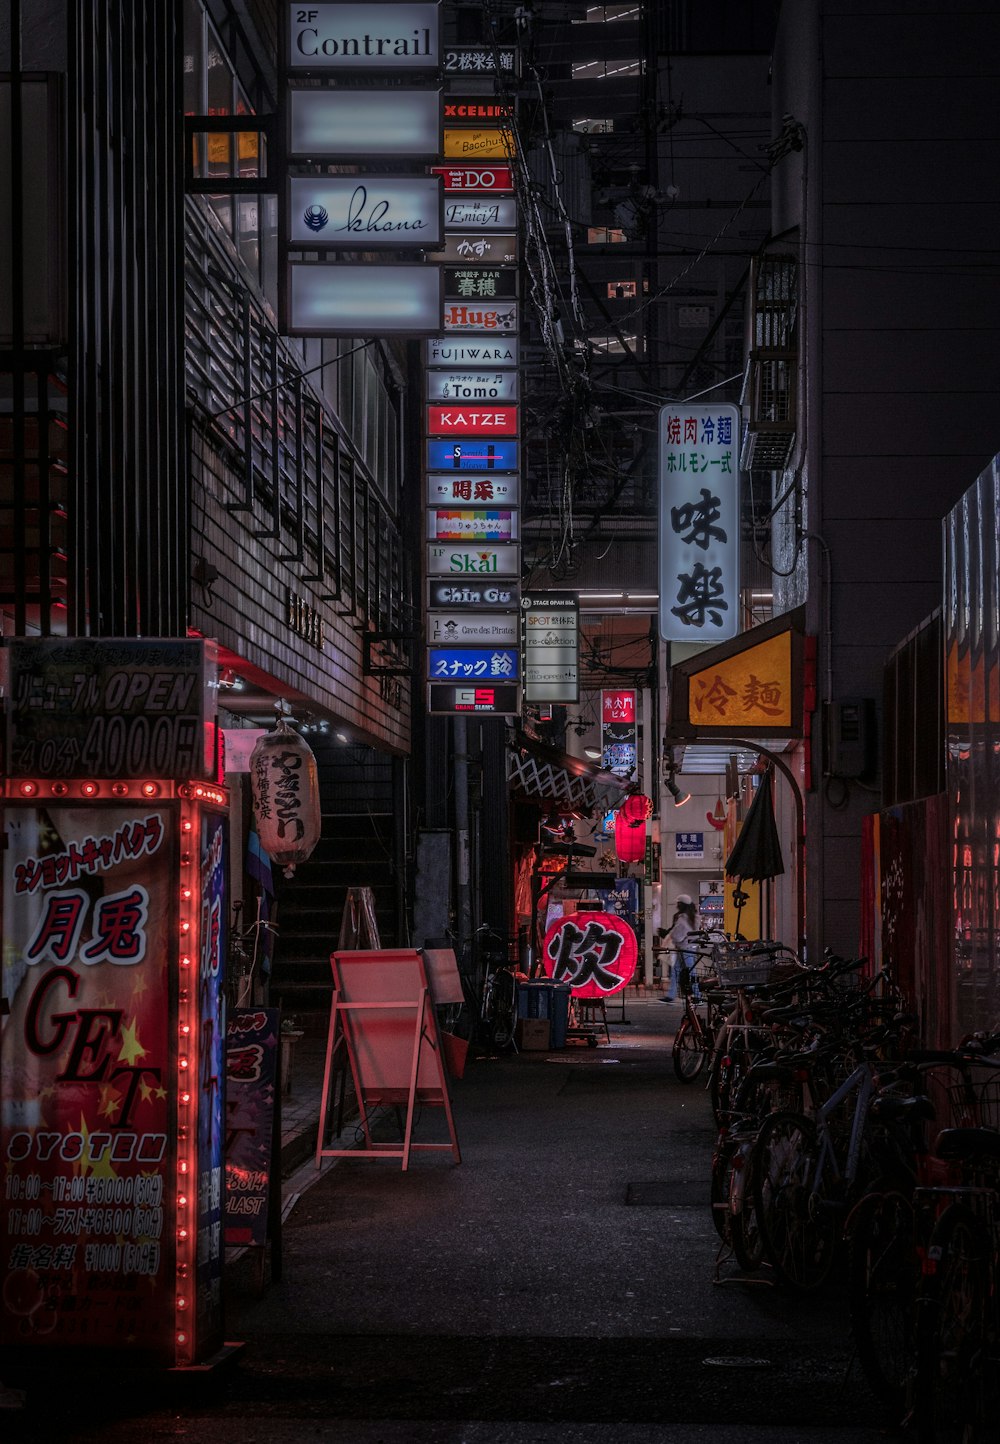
(682, 967)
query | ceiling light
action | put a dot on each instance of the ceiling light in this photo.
(594, 753)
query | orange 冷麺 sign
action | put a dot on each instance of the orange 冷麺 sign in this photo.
(751, 689)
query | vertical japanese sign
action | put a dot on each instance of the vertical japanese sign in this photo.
(88, 1225)
(252, 1043)
(699, 522)
(211, 1079)
(619, 750)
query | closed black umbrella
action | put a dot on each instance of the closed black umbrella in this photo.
(756, 853)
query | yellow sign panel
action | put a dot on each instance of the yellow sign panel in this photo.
(469, 144)
(968, 689)
(752, 689)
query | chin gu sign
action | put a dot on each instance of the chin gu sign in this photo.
(595, 953)
(699, 522)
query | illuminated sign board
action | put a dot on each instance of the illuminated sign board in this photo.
(362, 300)
(480, 283)
(595, 953)
(467, 628)
(474, 250)
(473, 664)
(493, 178)
(450, 489)
(699, 522)
(480, 60)
(480, 316)
(471, 592)
(472, 455)
(551, 630)
(363, 124)
(344, 39)
(461, 420)
(470, 144)
(474, 524)
(619, 745)
(481, 212)
(747, 691)
(474, 109)
(108, 707)
(472, 385)
(457, 351)
(478, 563)
(356, 213)
(501, 700)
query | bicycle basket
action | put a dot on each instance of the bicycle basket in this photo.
(976, 1105)
(738, 966)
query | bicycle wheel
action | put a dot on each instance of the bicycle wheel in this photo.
(883, 1271)
(797, 1227)
(953, 1372)
(722, 1164)
(688, 1053)
(744, 1227)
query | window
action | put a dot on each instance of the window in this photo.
(622, 290)
(594, 127)
(605, 236)
(605, 69)
(614, 345)
(601, 14)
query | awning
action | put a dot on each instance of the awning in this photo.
(549, 776)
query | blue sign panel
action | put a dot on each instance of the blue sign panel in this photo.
(622, 899)
(470, 663)
(477, 454)
(690, 844)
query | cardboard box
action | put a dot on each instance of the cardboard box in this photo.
(533, 1034)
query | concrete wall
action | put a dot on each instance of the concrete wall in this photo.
(901, 338)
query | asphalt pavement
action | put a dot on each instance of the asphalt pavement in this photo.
(562, 1282)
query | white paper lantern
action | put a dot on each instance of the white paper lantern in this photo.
(284, 784)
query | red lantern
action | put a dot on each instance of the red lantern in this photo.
(595, 953)
(284, 784)
(630, 827)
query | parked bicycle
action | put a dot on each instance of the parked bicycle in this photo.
(704, 1013)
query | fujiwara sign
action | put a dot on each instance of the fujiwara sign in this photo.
(335, 39)
(458, 351)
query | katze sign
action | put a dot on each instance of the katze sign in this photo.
(335, 39)
(373, 213)
(363, 124)
(472, 420)
(699, 522)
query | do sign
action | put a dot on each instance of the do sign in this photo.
(595, 953)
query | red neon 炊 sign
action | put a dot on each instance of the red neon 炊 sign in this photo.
(595, 953)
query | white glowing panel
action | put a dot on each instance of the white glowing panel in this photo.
(363, 300)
